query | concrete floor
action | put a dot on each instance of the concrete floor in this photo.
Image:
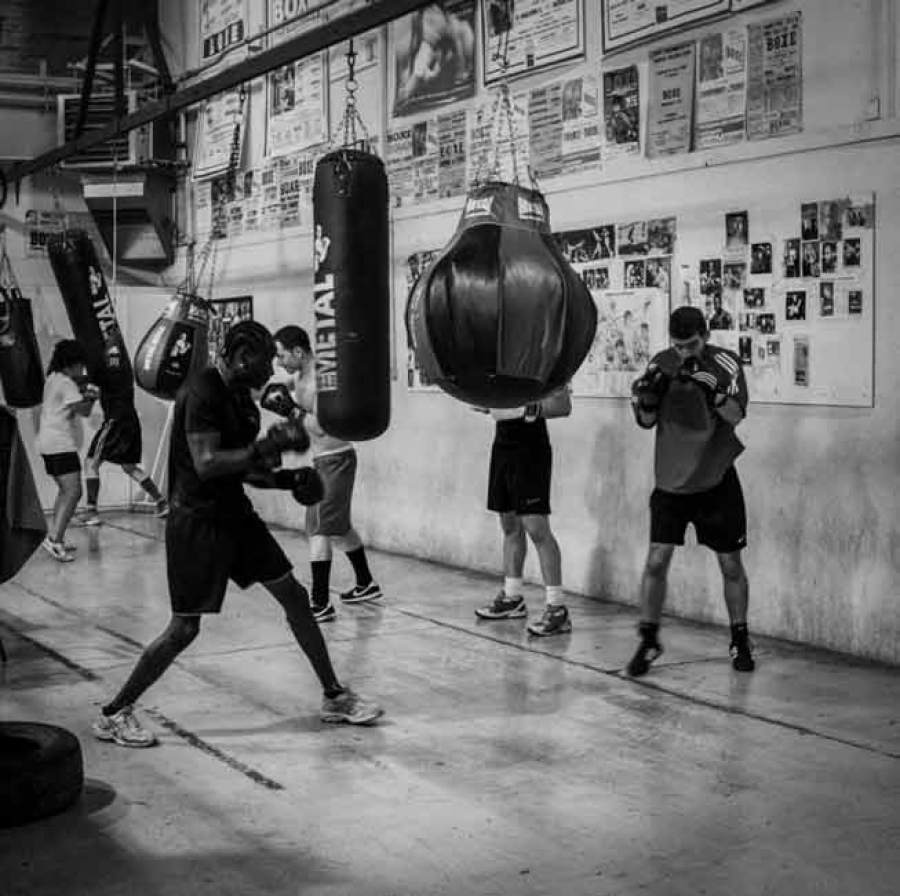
(503, 765)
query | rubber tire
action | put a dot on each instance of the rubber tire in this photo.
(41, 771)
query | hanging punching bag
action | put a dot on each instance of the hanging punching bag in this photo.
(92, 316)
(20, 358)
(174, 347)
(351, 295)
(500, 319)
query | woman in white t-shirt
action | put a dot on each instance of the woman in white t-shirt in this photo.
(59, 437)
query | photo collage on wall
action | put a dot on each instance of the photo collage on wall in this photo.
(225, 314)
(776, 302)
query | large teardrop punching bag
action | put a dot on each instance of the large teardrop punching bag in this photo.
(500, 319)
(92, 316)
(20, 358)
(174, 347)
(351, 295)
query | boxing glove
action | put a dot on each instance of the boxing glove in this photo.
(304, 483)
(277, 398)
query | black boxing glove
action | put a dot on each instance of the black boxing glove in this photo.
(277, 398)
(647, 391)
(288, 436)
(304, 483)
(265, 455)
(714, 391)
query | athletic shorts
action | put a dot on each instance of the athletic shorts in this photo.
(519, 478)
(331, 516)
(202, 554)
(118, 441)
(61, 464)
(718, 515)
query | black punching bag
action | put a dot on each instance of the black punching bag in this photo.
(20, 358)
(351, 295)
(92, 316)
(499, 318)
(174, 347)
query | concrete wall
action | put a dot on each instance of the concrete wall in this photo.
(824, 548)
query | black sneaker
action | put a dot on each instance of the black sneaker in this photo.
(357, 594)
(742, 655)
(504, 607)
(644, 656)
(323, 613)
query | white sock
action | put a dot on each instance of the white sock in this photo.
(512, 587)
(554, 596)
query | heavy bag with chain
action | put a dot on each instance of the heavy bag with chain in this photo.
(500, 319)
(351, 295)
(174, 347)
(93, 318)
(20, 359)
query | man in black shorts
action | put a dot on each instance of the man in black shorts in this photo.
(213, 533)
(694, 394)
(519, 492)
(117, 441)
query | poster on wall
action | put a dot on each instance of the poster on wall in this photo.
(775, 78)
(564, 125)
(223, 24)
(621, 113)
(627, 267)
(628, 22)
(295, 106)
(540, 33)
(215, 133)
(721, 99)
(225, 314)
(414, 266)
(432, 52)
(671, 100)
(40, 225)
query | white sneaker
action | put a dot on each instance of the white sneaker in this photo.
(56, 550)
(351, 708)
(124, 729)
(91, 518)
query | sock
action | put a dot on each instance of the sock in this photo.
(512, 587)
(92, 491)
(739, 633)
(360, 566)
(321, 573)
(331, 693)
(554, 596)
(648, 632)
(149, 486)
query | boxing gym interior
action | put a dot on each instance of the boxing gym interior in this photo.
(479, 211)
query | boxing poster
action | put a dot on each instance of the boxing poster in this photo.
(671, 100)
(40, 225)
(497, 149)
(629, 22)
(538, 33)
(721, 98)
(224, 315)
(621, 112)
(215, 133)
(295, 106)
(223, 24)
(432, 53)
(775, 78)
(414, 266)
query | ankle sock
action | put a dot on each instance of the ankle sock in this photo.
(512, 587)
(360, 566)
(649, 632)
(554, 596)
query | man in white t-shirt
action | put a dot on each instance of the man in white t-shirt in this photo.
(59, 437)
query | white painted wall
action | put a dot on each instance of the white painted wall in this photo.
(821, 483)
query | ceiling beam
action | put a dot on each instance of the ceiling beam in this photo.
(373, 14)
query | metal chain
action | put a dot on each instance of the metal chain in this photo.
(351, 121)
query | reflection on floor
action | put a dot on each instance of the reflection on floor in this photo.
(503, 766)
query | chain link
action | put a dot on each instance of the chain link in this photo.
(352, 127)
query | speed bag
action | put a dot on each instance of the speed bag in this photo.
(91, 313)
(20, 359)
(174, 347)
(351, 295)
(500, 319)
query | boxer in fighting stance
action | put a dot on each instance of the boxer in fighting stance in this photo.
(519, 492)
(213, 534)
(66, 397)
(328, 523)
(117, 441)
(694, 394)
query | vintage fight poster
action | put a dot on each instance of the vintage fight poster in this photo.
(223, 24)
(215, 132)
(411, 159)
(40, 225)
(493, 150)
(413, 268)
(621, 112)
(775, 78)
(671, 100)
(539, 33)
(432, 57)
(627, 22)
(295, 106)
(721, 89)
